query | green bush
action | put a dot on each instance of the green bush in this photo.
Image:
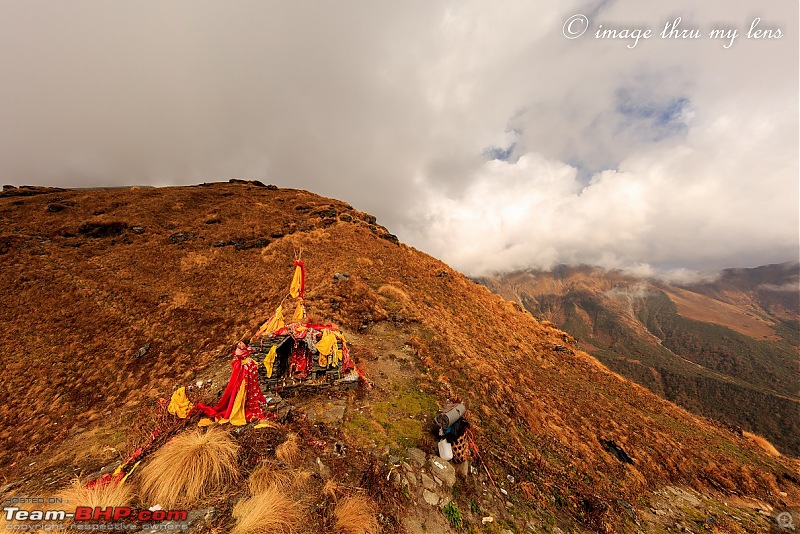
(453, 515)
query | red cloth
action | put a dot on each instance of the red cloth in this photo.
(291, 329)
(301, 361)
(254, 396)
(247, 372)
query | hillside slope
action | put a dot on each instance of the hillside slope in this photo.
(91, 277)
(727, 349)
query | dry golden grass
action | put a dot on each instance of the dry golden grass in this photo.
(267, 475)
(393, 292)
(331, 488)
(301, 479)
(765, 445)
(102, 495)
(356, 515)
(288, 452)
(268, 512)
(189, 467)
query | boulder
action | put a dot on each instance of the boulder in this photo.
(443, 470)
(430, 497)
(416, 456)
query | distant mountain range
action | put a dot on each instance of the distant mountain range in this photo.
(726, 349)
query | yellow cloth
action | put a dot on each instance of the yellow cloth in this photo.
(205, 421)
(179, 405)
(269, 360)
(327, 343)
(323, 360)
(129, 473)
(297, 279)
(299, 313)
(275, 323)
(266, 424)
(237, 414)
(338, 355)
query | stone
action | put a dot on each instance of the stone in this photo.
(142, 352)
(430, 497)
(428, 482)
(412, 480)
(324, 470)
(416, 456)
(180, 237)
(443, 470)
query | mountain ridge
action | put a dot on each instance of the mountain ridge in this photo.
(737, 329)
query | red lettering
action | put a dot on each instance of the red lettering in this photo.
(103, 513)
(121, 512)
(83, 513)
(177, 515)
(159, 515)
(144, 515)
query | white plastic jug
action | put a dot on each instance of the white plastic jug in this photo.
(445, 450)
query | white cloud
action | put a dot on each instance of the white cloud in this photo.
(673, 154)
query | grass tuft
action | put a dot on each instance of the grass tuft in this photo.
(356, 515)
(288, 452)
(102, 495)
(189, 467)
(267, 475)
(268, 512)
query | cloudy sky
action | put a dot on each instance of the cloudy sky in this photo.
(476, 131)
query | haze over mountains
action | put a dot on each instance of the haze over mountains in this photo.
(726, 349)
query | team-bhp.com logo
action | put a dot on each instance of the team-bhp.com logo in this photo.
(87, 513)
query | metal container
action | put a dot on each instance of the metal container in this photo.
(450, 415)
